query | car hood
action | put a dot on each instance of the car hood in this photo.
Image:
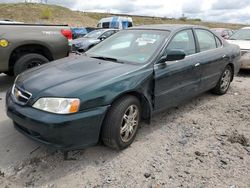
(243, 44)
(65, 77)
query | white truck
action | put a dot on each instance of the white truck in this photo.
(116, 22)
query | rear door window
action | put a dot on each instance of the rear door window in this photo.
(206, 39)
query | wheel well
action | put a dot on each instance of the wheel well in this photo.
(145, 104)
(232, 67)
(25, 49)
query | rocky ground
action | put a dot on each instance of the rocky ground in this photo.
(203, 143)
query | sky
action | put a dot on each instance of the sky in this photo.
(232, 11)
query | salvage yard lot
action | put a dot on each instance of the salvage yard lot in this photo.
(203, 143)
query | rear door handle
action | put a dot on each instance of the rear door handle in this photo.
(197, 64)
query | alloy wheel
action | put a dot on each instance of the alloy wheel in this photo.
(225, 80)
(130, 123)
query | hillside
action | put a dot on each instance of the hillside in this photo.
(52, 14)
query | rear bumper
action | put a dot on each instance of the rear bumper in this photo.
(65, 132)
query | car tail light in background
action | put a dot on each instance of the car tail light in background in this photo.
(67, 33)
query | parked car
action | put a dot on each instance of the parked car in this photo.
(78, 32)
(105, 93)
(115, 22)
(223, 32)
(91, 39)
(23, 46)
(242, 38)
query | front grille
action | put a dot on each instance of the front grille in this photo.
(20, 95)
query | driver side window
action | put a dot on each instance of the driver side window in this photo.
(184, 40)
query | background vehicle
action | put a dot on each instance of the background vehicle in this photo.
(116, 22)
(122, 80)
(78, 32)
(223, 32)
(91, 39)
(24, 46)
(242, 38)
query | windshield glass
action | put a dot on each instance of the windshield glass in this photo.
(95, 34)
(136, 46)
(242, 34)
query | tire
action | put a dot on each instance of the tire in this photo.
(224, 82)
(28, 61)
(118, 133)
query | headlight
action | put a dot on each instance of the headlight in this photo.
(58, 105)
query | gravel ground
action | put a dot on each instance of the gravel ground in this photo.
(203, 143)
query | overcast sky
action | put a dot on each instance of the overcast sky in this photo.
(234, 11)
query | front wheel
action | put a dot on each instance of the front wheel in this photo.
(121, 123)
(224, 82)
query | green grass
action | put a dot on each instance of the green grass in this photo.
(53, 14)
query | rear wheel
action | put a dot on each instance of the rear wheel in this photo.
(224, 82)
(121, 123)
(28, 61)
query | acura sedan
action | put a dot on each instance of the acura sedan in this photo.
(105, 93)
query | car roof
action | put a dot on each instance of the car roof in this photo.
(167, 27)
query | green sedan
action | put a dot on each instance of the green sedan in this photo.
(105, 93)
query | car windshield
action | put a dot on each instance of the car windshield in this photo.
(242, 34)
(136, 46)
(95, 34)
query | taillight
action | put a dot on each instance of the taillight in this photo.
(67, 33)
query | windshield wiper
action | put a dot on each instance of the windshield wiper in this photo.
(107, 59)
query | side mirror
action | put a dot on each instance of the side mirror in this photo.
(102, 38)
(175, 54)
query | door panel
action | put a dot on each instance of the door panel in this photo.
(211, 66)
(212, 58)
(175, 82)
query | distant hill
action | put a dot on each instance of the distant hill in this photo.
(53, 14)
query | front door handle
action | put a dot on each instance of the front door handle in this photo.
(197, 64)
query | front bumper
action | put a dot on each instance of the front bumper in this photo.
(245, 60)
(65, 132)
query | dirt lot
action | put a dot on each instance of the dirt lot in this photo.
(204, 143)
